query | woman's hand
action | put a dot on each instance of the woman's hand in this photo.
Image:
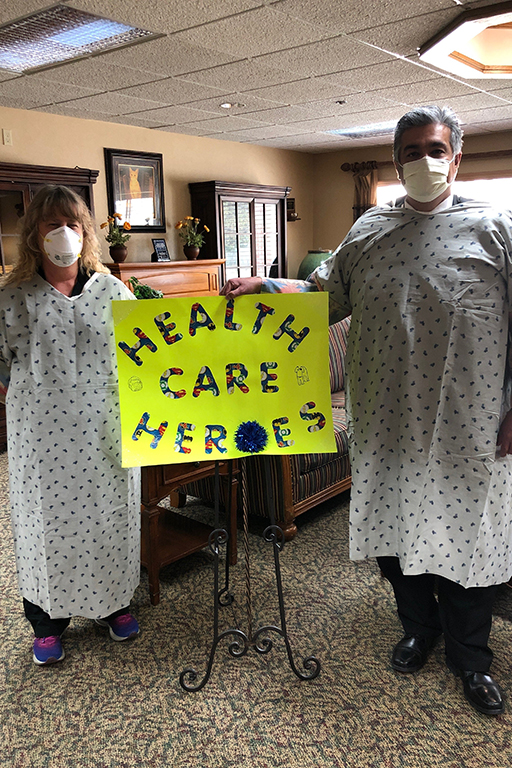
(239, 286)
(505, 435)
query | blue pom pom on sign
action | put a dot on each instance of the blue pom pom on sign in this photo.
(251, 437)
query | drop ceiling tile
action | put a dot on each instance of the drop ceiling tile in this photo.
(32, 91)
(165, 15)
(113, 104)
(301, 91)
(265, 132)
(357, 119)
(490, 85)
(378, 76)
(505, 92)
(174, 90)
(496, 126)
(436, 90)
(69, 111)
(323, 57)
(168, 56)
(15, 10)
(315, 110)
(290, 114)
(98, 73)
(470, 102)
(242, 76)
(190, 129)
(223, 124)
(479, 128)
(253, 33)
(174, 115)
(493, 114)
(4, 75)
(303, 142)
(138, 122)
(362, 102)
(243, 103)
(351, 15)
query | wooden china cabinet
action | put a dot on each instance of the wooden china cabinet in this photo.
(247, 225)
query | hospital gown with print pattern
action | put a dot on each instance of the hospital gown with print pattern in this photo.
(428, 385)
(75, 512)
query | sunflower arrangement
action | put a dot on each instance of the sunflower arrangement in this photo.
(116, 235)
(188, 231)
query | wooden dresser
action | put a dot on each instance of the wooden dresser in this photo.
(174, 278)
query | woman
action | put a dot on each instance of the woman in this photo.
(75, 512)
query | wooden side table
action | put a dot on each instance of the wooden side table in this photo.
(167, 536)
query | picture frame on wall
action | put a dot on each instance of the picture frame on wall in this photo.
(160, 253)
(135, 188)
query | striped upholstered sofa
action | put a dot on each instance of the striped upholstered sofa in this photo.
(302, 481)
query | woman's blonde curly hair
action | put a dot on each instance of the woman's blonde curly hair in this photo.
(51, 200)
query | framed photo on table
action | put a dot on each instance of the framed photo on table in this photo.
(135, 188)
(160, 253)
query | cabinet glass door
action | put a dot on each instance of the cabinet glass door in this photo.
(237, 234)
(250, 236)
(12, 208)
(267, 236)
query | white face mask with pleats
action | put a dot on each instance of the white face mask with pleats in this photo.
(426, 178)
(63, 246)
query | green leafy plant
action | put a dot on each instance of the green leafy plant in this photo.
(116, 235)
(187, 230)
(142, 291)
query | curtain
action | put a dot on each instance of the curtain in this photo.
(366, 178)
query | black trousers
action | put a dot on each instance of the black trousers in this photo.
(464, 616)
(44, 626)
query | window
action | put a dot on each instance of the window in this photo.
(497, 192)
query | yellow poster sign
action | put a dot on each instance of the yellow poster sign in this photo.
(207, 378)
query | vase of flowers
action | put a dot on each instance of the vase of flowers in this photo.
(193, 239)
(117, 236)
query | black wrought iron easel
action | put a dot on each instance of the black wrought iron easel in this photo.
(241, 641)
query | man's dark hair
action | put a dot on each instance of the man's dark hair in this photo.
(427, 116)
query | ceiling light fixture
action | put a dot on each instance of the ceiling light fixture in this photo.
(477, 44)
(60, 34)
(363, 131)
(226, 105)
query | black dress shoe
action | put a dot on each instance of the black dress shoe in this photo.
(482, 692)
(411, 653)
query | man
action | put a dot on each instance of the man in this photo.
(428, 282)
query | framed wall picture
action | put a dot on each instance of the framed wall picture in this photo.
(160, 253)
(135, 188)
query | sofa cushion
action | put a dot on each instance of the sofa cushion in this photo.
(337, 349)
(338, 399)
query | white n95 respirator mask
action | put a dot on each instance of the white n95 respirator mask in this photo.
(426, 178)
(63, 246)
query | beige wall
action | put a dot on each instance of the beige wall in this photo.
(323, 192)
(45, 139)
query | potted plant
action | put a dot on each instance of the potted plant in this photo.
(192, 239)
(117, 236)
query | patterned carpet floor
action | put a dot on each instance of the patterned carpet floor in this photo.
(120, 705)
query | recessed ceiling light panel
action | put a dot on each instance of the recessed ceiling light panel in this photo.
(478, 44)
(59, 34)
(363, 131)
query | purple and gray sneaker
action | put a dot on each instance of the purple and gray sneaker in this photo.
(48, 650)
